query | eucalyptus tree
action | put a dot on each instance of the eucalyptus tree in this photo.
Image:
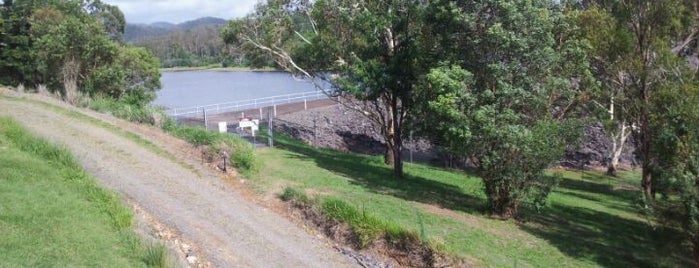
(653, 32)
(369, 51)
(610, 48)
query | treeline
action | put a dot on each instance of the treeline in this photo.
(74, 48)
(507, 84)
(199, 46)
(189, 44)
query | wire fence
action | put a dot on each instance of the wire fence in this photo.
(234, 106)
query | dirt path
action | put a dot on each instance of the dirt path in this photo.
(227, 230)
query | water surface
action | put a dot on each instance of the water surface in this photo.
(197, 88)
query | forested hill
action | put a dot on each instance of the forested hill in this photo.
(139, 32)
(189, 44)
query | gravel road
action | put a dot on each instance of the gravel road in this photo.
(224, 228)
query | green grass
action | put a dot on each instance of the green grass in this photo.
(242, 153)
(590, 221)
(53, 214)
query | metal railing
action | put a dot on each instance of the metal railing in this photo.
(242, 105)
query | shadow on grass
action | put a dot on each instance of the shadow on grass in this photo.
(365, 171)
(606, 239)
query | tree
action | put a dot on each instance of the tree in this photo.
(675, 118)
(70, 47)
(610, 48)
(512, 76)
(653, 27)
(371, 49)
(16, 55)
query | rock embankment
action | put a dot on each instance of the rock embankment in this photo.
(344, 129)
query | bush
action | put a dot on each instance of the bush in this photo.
(129, 111)
(242, 154)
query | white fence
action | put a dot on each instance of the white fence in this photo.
(242, 105)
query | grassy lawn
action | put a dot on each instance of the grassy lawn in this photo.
(52, 214)
(591, 220)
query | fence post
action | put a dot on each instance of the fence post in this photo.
(270, 131)
(315, 129)
(305, 106)
(275, 110)
(206, 122)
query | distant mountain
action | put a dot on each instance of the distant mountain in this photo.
(201, 22)
(139, 32)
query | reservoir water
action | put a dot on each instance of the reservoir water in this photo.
(197, 88)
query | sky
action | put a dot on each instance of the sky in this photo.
(177, 11)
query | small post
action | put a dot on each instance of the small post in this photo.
(206, 122)
(224, 155)
(315, 129)
(275, 110)
(260, 113)
(412, 146)
(305, 105)
(270, 132)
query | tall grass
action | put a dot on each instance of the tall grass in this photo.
(55, 214)
(242, 153)
(367, 227)
(135, 113)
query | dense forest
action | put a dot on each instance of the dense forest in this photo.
(507, 84)
(188, 44)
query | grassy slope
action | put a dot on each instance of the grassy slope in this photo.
(590, 221)
(53, 214)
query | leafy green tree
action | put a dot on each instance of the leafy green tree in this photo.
(512, 77)
(655, 30)
(675, 146)
(72, 47)
(371, 49)
(16, 55)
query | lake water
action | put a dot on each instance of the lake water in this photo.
(197, 88)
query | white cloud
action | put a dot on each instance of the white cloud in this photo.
(176, 11)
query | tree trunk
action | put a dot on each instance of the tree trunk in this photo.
(646, 156)
(388, 157)
(389, 133)
(500, 201)
(618, 142)
(397, 153)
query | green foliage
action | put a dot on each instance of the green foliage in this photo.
(130, 108)
(242, 153)
(371, 48)
(293, 194)
(366, 227)
(493, 101)
(675, 171)
(195, 136)
(156, 255)
(73, 47)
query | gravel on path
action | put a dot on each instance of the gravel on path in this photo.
(225, 229)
